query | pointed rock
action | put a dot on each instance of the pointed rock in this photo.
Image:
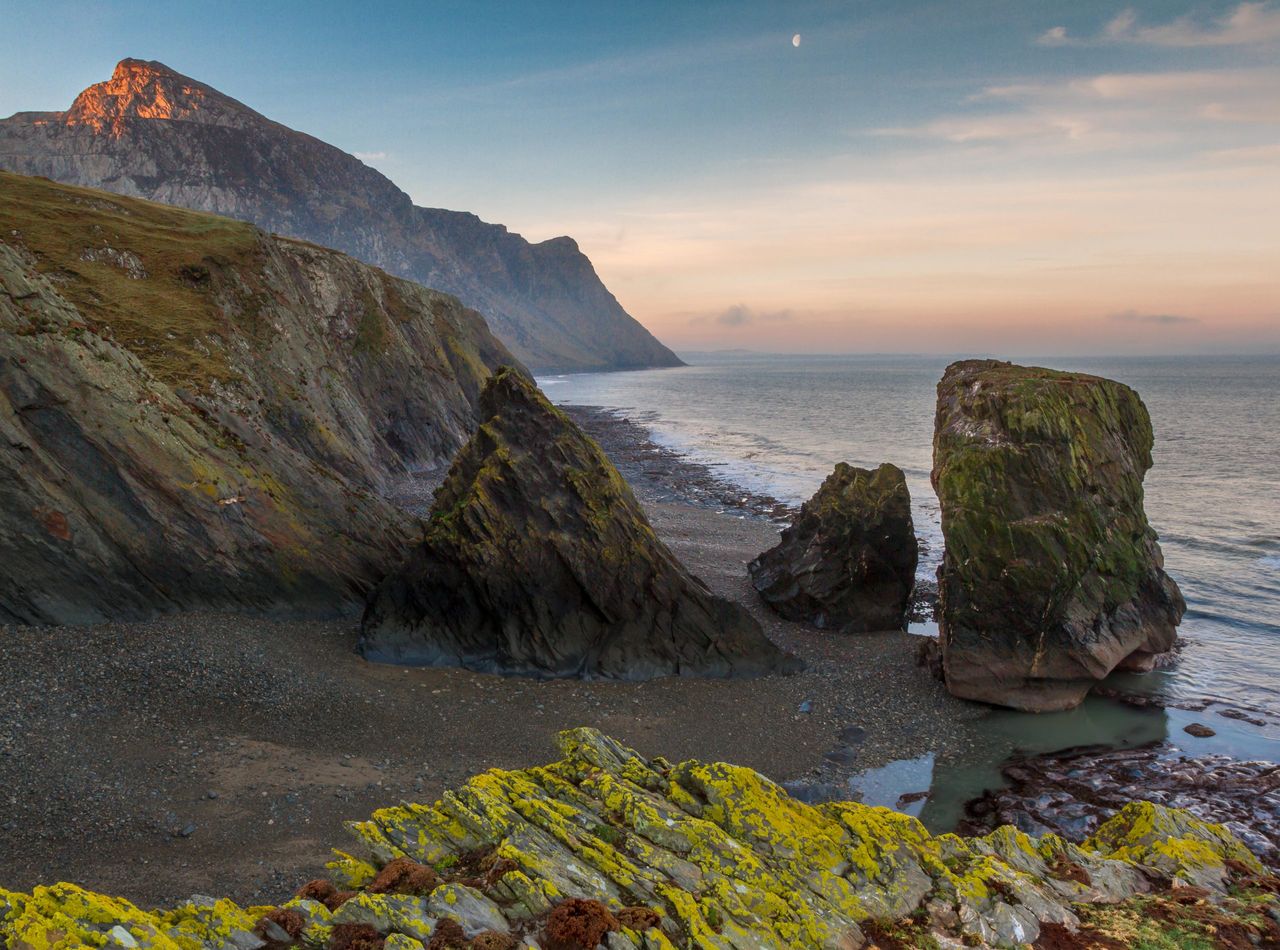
(538, 560)
(1052, 577)
(849, 560)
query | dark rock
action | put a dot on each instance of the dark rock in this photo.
(1051, 576)
(1199, 730)
(153, 133)
(538, 560)
(848, 562)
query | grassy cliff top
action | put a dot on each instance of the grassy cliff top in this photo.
(145, 274)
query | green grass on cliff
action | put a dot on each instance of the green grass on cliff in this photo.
(173, 319)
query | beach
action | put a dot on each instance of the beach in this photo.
(221, 754)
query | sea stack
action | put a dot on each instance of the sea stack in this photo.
(1052, 577)
(849, 561)
(538, 560)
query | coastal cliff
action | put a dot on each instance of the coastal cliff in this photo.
(195, 413)
(154, 133)
(606, 848)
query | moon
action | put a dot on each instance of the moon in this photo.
(795, 40)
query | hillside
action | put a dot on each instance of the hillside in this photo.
(153, 133)
(195, 413)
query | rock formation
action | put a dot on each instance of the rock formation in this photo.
(848, 562)
(193, 413)
(1051, 577)
(153, 133)
(538, 560)
(604, 848)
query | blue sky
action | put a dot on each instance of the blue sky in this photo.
(942, 173)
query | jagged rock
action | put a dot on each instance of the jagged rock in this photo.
(538, 560)
(848, 562)
(702, 855)
(1051, 576)
(214, 429)
(151, 132)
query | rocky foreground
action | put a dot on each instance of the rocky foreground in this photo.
(606, 848)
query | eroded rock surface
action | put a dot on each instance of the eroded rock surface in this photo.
(538, 560)
(196, 414)
(848, 561)
(1051, 576)
(606, 846)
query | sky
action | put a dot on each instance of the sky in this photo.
(868, 176)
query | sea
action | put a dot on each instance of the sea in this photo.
(778, 424)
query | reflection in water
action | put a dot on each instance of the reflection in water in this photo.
(903, 785)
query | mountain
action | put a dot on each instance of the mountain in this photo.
(153, 133)
(194, 413)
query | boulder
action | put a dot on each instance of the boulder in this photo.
(1051, 576)
(848, 562)
(538, 560)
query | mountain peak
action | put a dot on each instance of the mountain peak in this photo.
(149, 90)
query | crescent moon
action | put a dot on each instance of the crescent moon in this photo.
(795, 40)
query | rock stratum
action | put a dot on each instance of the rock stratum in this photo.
(151, 132)
(538, 560)
(1051, 576)
(196, 414)
(848, 561)
(605, 848)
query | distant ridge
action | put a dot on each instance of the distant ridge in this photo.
(154, 133)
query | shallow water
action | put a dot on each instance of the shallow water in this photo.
(779, 424)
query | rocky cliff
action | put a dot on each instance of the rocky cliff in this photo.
(194, 413)
(153, 133)
(606, 848)
(1051, 576)
(538, 560)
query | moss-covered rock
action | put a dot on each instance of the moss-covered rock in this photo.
(696, 855)
(1052, 577)
(538, 560)
(848, 562)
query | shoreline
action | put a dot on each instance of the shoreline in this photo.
(285, 733)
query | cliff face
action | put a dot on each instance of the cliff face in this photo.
(152, 133)
(1052, 576)
(194, 413)
(605, 848)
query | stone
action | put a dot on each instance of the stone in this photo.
(637, 852)
(1199, 730)
(848, 561)
(1051, 576)
(538, 560)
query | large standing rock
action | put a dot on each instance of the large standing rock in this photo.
(538, 560)
(1052, 577)
(849, 560)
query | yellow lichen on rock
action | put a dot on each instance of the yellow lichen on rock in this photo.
(719, 856)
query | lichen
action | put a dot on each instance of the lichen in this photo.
(696, 855)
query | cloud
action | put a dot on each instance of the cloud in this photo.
(369, 156)
(740, 315)
(1249, 24)
(1163, 319)
(1054, 36)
